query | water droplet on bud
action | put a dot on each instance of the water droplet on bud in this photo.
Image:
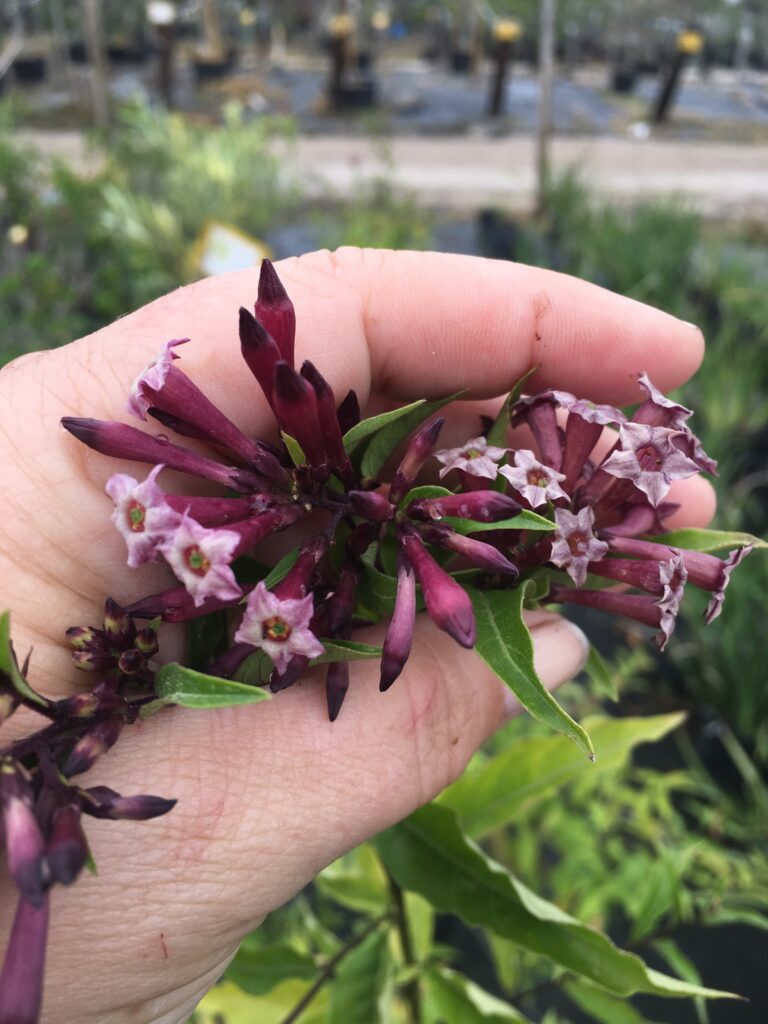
(162, 439)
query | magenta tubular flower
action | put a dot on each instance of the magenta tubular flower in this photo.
(142, 515)
(24, 846)
(636, 572)
(348, 412)
(275, 310)
(538, 412)
(124, 442)
(482, 506)
(336, 686)
(152, 376)
(328, 419)
(575, 545)
(649, 460)
(213, 511)
(21, 980)
(371, 505)
(295, 406)
(477, 553)
(176, 604)
(583, 428)
(448, 604)
(260, 351)
(340, 606)
(476, 457)
(103, 802)
(657, 410)
(536, 482)
(297, 581)
(201, 559)
(96, 742)
(280, 627)
(419, 449)
(640, 607)
(399, 636)
(67, 848)
(641, 517)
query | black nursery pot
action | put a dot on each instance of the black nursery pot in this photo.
(30, 69)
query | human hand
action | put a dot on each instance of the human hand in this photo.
(270, 794)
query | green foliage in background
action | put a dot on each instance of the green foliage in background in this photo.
(538, 885)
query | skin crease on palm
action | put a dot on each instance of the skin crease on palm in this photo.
(270, 794)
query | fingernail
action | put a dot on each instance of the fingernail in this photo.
(560, 651)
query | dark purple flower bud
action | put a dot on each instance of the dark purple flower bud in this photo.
(275, 310)
(371, 505)
(448, 604)
(260, 351)
(399, 638)
(21, 980)
(329, 422)
(91, 661)
(341, 604)
(131, 662)
(348, 412)
(67, 848)
(103, 802)
(361, 538)
(477, 553)
(296, 410)
(146, 642)
(117, 621)
(89, 749)
(296, 583)
(79, 705)
(336, 686)
(211, 511)
(538, 412)
(82, 638)
(230, 661)
(177, 605)
(23, 839)
(181, 398)
(124, 442)
(482, 506)
(294, 670)
(420, 448)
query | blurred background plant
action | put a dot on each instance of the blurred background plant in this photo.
(664, 839)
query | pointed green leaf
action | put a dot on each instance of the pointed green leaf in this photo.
(693, 539)
(345, 650)
(258, 970)
(367, 427)
(256, 669)
(387, 439)
(357, 880)
(359, 990)
(8, 666)
(493, 794)
(296, 452)
(524, 520)
(450, 996)
(180, 685)
(504, 644)
(424, 491)
(603, 1006)
(428, 853)
(280, 571)
(497, 435)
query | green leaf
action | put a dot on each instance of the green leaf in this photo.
(259, 970)
(256, 669)
(602, 1005)
(424, 491)
(280, 571)
(387, 439)
(296, 452)
(151, 708)
(345, 650)
(359, 990)
(450, 996)
(228, 1004)
(376, 590)
(493, 794)
(524, 520)
(367, 427)
(180, 685)
(603, 681)
(497, 435)
(427, 853)
(685, 969)
(357, 880)
(694, 539)
(206, 635)
(504, 644)
(8, 666)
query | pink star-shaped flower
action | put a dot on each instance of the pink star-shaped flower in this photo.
(200, 558)
(575, 544)
(142, 515)
(649, 458)
(279, 627)
(667, 412)
(589, 411)
(536, 482)
(476, 457)
(152, 376)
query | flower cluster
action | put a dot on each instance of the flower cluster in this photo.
(575, 511)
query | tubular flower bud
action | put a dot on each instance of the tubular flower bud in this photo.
(275, 310)
(103, 802)
(372, 505)
(296, 410)
(420, 448)
(399, 637)
(482, 506)
(484, 556)
(296, 583)
(24, 844)
(177, 605)
(211, 511)
(21, 980)
(348, 412)
(260, 351)
(329, 422)
(89, 749)
(67, 848)
(336, 686)
(448, 604)
(538, 412)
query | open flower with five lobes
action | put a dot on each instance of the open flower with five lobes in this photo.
(141, 514)
(280, 627)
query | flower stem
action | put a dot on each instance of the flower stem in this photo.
(411, 990)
